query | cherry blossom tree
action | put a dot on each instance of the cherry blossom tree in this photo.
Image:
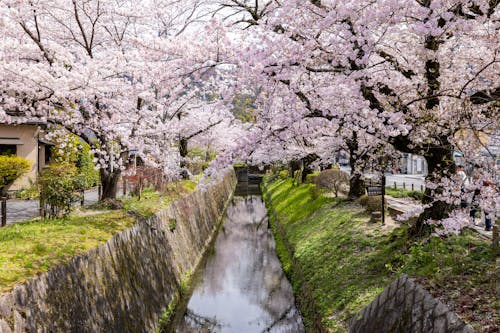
(107, 71)
(411, 73)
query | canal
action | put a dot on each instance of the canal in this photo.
(241, 287)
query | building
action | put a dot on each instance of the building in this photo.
(25, 141)
(412, 164)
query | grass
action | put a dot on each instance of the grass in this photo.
(30, 248)
(348, 261)
(151, 201)
(33, 247)
(402, 193)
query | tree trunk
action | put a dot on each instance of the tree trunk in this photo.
(356, 181)
(356, 186)
(293, 167)
(109, 181)
(183, 152)
(440, 163)
(306, 162)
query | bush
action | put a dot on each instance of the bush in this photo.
(333, 180)
(59, 185)
(87, 173)
(283, 174)
(11, 168)
(372, 203)
(311, 178)
(28, 193)
(401, 193)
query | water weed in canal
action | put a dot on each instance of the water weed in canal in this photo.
(242, 287)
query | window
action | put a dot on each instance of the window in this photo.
(8, 149)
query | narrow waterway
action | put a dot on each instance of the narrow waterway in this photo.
(242, 287)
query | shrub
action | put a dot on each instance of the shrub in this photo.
(30, 192)
(401, 193)
(333, 180)
(283, 174)
(59, 184)
(311, 178)
(69, 148)
(11, 168)
(87, 172)
(372, 203)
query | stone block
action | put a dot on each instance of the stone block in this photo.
(406, 307)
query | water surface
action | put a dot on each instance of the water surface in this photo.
(242, 287)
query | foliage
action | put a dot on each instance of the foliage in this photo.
(11, 168)
(199, 159)
(70, 149)
(29, 192)
(372, 203)
(87, 172)
(67, 146)
(244, 108)
(333, 238)
(333, 180)
(33, 247)
(172, 223)
(59, 186)
(401, 193)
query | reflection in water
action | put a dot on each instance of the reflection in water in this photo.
(243, 288)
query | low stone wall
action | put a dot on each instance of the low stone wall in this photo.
(126, 283)
(405, 307)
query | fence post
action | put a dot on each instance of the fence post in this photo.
(82, 198)
(99, 192)
(404, 186)
(395, 186)
(4, 211)
(494, 244)
(421, 188)
(412, 188)
(124, 186)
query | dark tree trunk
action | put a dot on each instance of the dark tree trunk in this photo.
(109, 181)
(183, 152)
(440, 163)
(356, 181)
(356, 187)
(306, 162)
(293, 167)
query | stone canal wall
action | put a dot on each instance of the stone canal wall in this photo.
(405, 307)
(125, 284)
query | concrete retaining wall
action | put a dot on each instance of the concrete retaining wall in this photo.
(126, 283)
(405, 307)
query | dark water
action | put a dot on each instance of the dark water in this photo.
(242, 288)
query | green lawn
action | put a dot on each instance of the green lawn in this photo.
(152, 201)
(32, 247)
(347, 261)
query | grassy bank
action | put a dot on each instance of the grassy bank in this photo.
(347, 261)
(30, 248)
(152, 201)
